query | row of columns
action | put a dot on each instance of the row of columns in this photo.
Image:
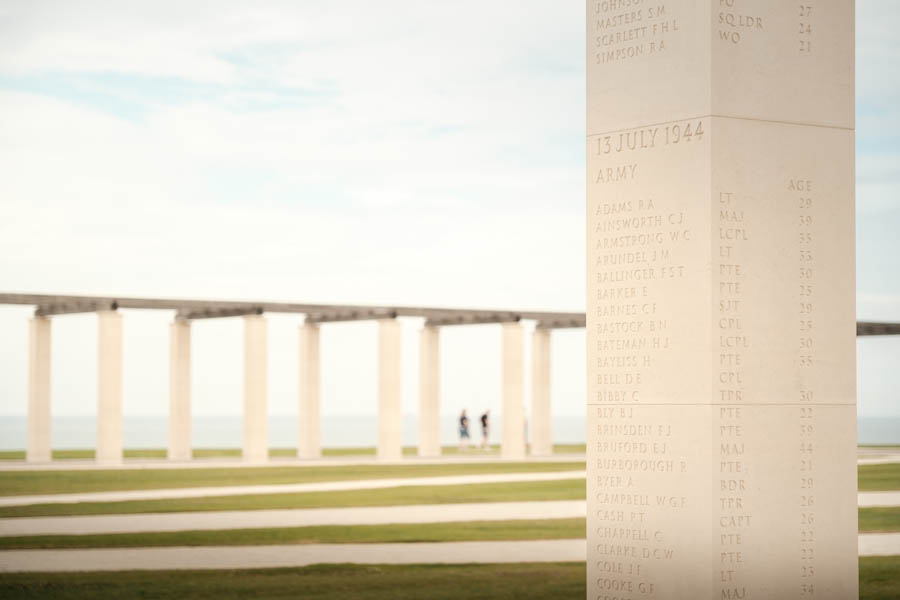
(389, 444)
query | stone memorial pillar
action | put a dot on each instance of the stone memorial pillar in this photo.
(430, 392)
(309, 440)
(109, 387)
(38, 448)
(180, 390)
(541, 413)
(513, 444)
(720, 308)
(390, 372)
(256, 389)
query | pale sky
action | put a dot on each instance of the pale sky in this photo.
(399, 152)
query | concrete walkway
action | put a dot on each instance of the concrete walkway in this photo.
(260, 557)
(865, 499)
(305, 517)
(869, 499)
(288, 488)
(879, 544)
(253, 519)
(883, 460)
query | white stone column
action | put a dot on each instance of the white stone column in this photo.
(256, 390)
(390, 370)
(309, 443)
(541, 414)
(109, 387)
(38, 447)
(180, 390)
(513, 445)
(429, 392)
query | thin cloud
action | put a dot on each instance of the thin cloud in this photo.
(399, 152)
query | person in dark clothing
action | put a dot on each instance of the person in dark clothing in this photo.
(463, 431)
(484, 430)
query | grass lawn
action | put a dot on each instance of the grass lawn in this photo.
(881, 519)
(17, 483)
(569, 489)
(879, 478)
(879, 578)
(13, 483)
(159, 453)
(549, 529)
(535, 581)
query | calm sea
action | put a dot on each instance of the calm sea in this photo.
(337, 432)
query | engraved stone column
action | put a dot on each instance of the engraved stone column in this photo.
(180, 390)
(541, 413)
(256, 389)
(513, 445)
(390, 372)
(309, 441)
(109, 387)
(429, 392)
(38, 448)
(720, 308)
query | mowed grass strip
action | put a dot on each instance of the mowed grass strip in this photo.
(533, 581)
(549, 529)
(879, 578)
(880, 519)
(160, 453)
(567, 489)
(18, 483)
(879, 478)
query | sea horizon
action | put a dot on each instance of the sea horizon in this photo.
(225, 431)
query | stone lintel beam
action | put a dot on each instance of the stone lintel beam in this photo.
(864, 328)
(470, 319)
(69, 308)
(561, 324)
(215, 313)
(350, 315)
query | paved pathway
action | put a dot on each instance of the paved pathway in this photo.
(258, 557)
(882, 460)
(879, 544)
(252, 519)
(288, 488)
(865, 499)
(367, 515)
(879, 499)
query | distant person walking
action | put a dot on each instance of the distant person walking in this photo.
(485, 433)
(463, 431)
